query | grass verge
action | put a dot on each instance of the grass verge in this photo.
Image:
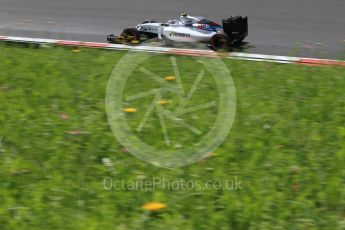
(286, 148)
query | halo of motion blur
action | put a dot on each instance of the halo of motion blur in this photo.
(169, 154)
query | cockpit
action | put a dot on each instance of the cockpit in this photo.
(195, 22)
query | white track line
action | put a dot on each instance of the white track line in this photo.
(176, 51)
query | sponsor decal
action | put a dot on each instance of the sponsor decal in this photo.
(175, 34)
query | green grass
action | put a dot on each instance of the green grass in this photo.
(287, 147)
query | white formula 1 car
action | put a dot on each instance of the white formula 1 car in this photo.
(188, 29)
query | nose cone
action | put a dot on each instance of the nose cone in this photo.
(109, 37)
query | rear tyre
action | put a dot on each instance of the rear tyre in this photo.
(131, 34)
(220, 42)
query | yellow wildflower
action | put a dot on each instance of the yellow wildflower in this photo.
(130, 110)
(154, 206)
(163, 102)
(170, 78)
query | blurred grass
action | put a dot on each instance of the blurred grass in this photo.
(287, 146)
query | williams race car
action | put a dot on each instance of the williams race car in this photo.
(187, 29)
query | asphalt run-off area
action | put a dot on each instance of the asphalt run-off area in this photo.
(304, 28)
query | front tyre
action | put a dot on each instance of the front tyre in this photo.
(131, 34)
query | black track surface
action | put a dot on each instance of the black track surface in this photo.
(314, 28)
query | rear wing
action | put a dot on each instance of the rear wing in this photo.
(236, 27)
